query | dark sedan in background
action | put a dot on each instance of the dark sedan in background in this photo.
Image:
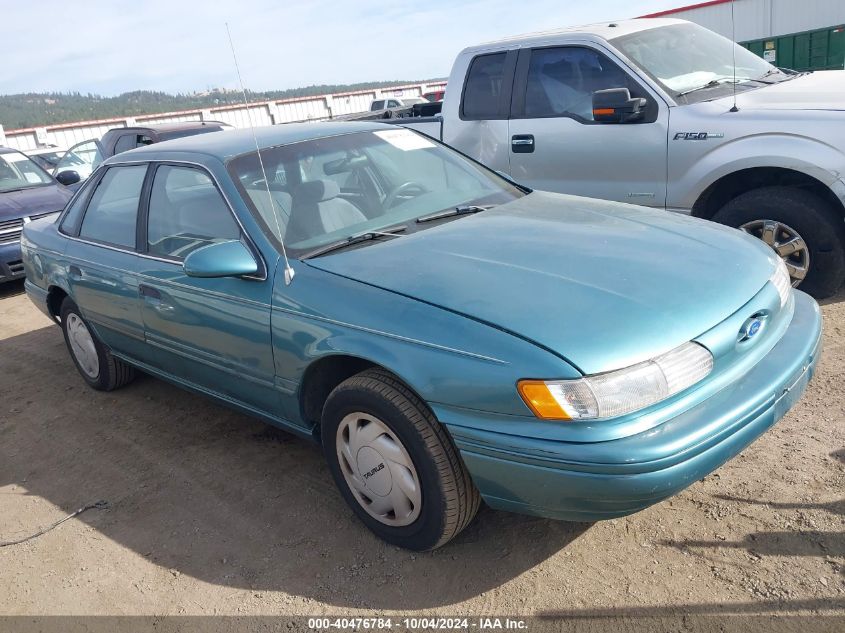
(27, 192)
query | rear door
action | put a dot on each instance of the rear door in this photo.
(102, 260)
(481, 130)
(554, 143)
(211, 333)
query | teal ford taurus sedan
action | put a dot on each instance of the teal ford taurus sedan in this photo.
(447, 335)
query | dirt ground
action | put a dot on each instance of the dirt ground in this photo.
(211, 512)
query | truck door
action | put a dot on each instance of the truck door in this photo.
(556, 145)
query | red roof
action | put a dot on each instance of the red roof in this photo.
(699, 5)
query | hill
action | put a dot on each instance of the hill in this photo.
(37, 109)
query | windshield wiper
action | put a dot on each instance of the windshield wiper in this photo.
(710, 84)
(465, 210)
(355, 239)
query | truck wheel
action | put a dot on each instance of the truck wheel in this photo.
(94, 361)
(800, 227)
(395, 464)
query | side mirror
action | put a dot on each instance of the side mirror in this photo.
(615, 105)
(68, 177)
(224, 259)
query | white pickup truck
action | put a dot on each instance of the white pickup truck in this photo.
(663, 113)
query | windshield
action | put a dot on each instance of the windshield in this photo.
(19, 172)
(686, 57)
(330, 189)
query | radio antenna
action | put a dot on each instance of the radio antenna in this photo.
(289, 272)
(733, 49)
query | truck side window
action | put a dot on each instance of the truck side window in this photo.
(125, 143)
(484, 86)
(561, 81)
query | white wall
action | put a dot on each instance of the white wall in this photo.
(756, 19)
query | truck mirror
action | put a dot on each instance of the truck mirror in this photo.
(615, 105)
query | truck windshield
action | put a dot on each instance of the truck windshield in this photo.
(694, 63)
(330, 189)
(19, 172)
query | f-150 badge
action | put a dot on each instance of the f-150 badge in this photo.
(697, 136)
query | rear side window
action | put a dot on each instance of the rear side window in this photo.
(113, 211)
(484, 87)
(186, 212)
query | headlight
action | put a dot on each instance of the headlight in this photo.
(781, 281)
(618, 392)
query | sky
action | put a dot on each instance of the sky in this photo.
(111, 46)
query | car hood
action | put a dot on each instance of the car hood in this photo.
(33, 201)
(603, 285)
(820, 90)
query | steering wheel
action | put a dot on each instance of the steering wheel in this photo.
(410, 189)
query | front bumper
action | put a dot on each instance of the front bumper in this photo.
(11, 266)
(591, 481)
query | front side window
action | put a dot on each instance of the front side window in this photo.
(83, 159)
(342, 185)
(561, 81)
(20, 172)
(186, 212)
(691, 61)
(112, 213)
(484, 86)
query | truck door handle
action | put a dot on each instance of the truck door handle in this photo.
(74, 272)
(522, 143)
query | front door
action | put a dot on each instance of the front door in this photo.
(211, 333)
(555, 145)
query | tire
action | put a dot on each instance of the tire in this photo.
(95, 362)
(396, 422)
(801, 213)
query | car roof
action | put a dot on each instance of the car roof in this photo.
(7, 150)
(604, 30)
(230, 143)
(164, 128)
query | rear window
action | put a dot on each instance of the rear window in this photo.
(484, 86)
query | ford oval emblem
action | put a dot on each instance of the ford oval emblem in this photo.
(750, 328)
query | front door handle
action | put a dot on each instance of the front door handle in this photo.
(522, 143)
(74, 272)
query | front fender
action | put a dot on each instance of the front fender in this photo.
(444, 357)
(812, 157)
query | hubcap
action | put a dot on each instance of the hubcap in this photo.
(786, 242)
(82, 346)
(378, 470)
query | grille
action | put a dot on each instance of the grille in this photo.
(10, 231)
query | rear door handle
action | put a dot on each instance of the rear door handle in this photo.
(149, 293)
(522, 143)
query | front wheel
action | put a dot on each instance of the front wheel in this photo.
(394, 463)
(800, 227)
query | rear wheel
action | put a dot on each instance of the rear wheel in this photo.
(94, 361)
(394, 463)
(800, 227)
